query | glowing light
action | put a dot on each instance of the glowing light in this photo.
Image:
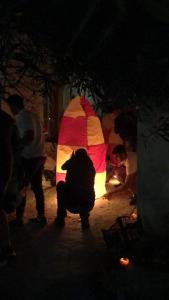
(99, 186)
(114, 180)
(124, 261)
(80, 118)
(134, 216)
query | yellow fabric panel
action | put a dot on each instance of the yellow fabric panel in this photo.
(74, 108)
(94, 131)
(100, 180)
(63, 154)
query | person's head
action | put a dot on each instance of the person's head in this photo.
(81, 153)
(126, 125)
(16, 103)
(120, 152)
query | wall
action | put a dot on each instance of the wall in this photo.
(153, 171)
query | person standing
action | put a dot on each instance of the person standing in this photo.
(6, 164)
(32, 154)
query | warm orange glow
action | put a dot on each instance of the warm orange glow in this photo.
(64, 153)
(124, 261)
(80, 114)
(114, 180)
(134, 216)
(74, 108)
(99, 187)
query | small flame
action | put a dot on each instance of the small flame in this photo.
(124, 261)
(114, 180)
(134, 216)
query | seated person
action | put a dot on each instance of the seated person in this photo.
(76, 194)
(129, 159)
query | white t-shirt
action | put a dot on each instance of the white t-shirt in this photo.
(25, 121)
(131, 163)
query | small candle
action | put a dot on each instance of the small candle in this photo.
(114, 180)
(134, 216)
(124, 261)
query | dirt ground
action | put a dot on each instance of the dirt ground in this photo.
(73, 264)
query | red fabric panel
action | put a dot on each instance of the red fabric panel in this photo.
(97, 154)
(73, 132)
(60, 176)
(87, 107)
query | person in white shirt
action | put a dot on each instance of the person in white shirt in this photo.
(32, 154)
(129, 159)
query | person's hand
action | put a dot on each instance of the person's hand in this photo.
(107, 196)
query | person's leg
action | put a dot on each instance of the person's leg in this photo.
(20, 212)
(84, 215)
(61, 203)
(6, 249)
(4, 230)
(26, 165)
(86, 207)
(36, 184)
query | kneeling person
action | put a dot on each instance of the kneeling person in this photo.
(129, 160)
(76, 194)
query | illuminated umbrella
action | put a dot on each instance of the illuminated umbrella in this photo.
(81, 128)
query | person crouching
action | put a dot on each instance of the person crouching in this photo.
(77, 193)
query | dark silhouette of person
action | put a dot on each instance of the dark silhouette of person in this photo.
(126, 127)
(77, 193)
(17, 185)
(32, 154)
(6, 167)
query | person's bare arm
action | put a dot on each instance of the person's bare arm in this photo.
(109, 176)
(123, 187)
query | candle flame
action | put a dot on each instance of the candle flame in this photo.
(114, 181)
(124, 261)
(134, 216)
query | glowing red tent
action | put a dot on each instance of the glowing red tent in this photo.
(81, 128)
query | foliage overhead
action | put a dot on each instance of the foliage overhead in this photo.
(117, 48)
